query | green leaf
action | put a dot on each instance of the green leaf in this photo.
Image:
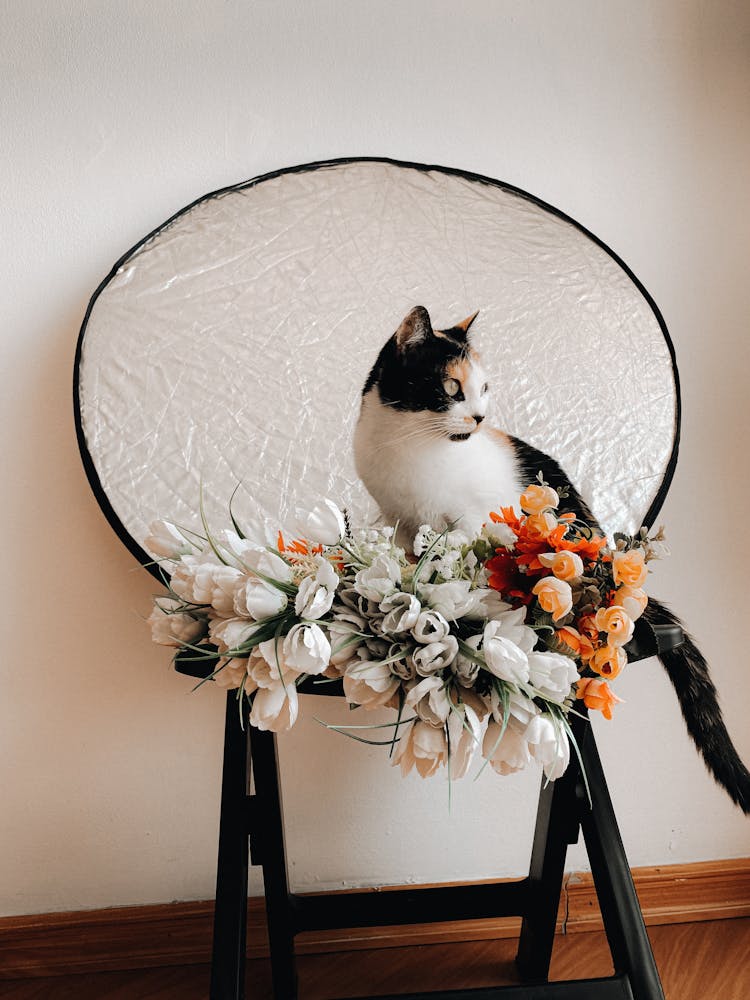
(204, 522)
(360, 739)
(237, 528)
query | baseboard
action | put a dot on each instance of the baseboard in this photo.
(139, 937)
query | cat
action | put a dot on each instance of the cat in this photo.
(425, 454)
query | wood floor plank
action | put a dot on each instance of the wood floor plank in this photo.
(697, 961)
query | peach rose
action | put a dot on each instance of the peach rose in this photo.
(632, 600)
(572, 638)
(565, 565)
(555, 596)
(616, 623)
(629, 567)
(587, 626)
(597, 694)
(608, 660)
(539, 526)
(539, 498)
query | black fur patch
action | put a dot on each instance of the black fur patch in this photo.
(412, 378)
(531, 462)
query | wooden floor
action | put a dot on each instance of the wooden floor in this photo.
(710, 961)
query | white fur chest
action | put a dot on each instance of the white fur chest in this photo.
(417, 475)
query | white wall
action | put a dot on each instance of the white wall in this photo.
(630, 116)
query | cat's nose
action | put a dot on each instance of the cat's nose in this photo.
(479, 418)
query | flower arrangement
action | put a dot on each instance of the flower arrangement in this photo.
(481, 645)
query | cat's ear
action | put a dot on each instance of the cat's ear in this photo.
(415, 329)
(465, 324)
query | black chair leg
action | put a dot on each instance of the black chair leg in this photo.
(621, 913)
(556, 827)
(267, 802)
(563, 810)
(230, 912)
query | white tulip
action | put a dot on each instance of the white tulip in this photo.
(259, 560)
(324, 524)
(316, 593)
(275, 708)
(378, 580)
(452, 600)
(519, 707)
(510, 625)
(401, 612)
(170, 627)
(552, 675)
(182, 580)
(464, 731)
(231, 673)
(507, 753)
(504, 658)
(268, 667)
(435, 656)
(548, 744)
(306, 648)
(166, 541)
(369, 684)
(423, 747)
(487, 604)
(344, 634)
(429, 701)
(430, 626)
(254, 598)
(215, 584)
(230, 633)
(465, 669)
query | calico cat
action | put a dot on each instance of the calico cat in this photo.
(426, 455)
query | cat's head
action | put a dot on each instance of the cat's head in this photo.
(435, 372)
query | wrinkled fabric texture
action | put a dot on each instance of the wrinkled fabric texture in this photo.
(232, 346)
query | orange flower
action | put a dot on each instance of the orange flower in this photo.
(538, 526)
(616, 623)
(608, 660)
(629, 567)
(587, 626)
(538, 499)
(555, 596)
(565, 565)
(632, 599)
(298, 547)
(597, 694)
(580, 644)
(507, 516)
(587, 548)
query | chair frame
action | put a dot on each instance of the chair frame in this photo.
(251, 832)
(252, 828)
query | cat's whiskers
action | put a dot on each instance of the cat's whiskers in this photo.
(429, 433)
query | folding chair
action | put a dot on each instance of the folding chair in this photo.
(230, 346)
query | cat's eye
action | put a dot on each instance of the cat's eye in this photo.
(451, 386)
(485, 387)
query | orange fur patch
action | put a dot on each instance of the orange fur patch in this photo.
(459, 370)
(466, 323)
(502, 437)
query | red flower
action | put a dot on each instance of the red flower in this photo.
(507, 578)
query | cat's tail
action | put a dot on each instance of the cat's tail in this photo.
(688, 672)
